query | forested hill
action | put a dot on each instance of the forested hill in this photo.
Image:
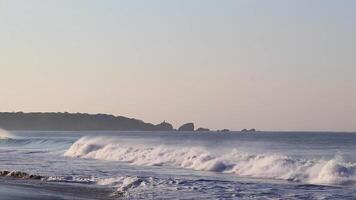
(54, 121)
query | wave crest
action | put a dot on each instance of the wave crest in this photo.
(5, 135)
(334, 171)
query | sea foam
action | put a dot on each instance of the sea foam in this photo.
(272, 166)
(5, 134)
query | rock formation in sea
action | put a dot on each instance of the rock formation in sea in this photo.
(187, 127)
(203, 129)
(19, 174)
(248, 130)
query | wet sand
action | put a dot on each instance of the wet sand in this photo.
(19, 189)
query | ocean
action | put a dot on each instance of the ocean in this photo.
(189, 165)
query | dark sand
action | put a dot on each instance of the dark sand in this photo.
(20, 189)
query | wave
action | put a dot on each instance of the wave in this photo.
(5, 135)
(35, 143)
(124, 183)
(272, 166)
(139, 186)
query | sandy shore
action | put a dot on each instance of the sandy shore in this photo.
(19, 189)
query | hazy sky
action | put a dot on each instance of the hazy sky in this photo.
(271, 65)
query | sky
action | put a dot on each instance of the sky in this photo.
(269, 65)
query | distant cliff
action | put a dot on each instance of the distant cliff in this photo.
(74, 121)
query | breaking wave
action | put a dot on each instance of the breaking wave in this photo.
(5, 135)
(272, 166)
(125, 183)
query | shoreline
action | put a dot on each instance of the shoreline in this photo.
(18, 189)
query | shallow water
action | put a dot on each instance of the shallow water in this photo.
(171, 165)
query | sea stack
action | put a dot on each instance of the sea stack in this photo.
(250, 130)
(187, 127)
(203, 129)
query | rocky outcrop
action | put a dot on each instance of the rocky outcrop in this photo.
(203, 129)
(164, 126)
(224, 130)
(250, 130)
(187, 127)
(18, 174)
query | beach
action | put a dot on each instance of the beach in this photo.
(16, 189)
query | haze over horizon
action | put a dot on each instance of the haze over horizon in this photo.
(269, 65)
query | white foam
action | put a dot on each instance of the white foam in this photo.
(5, 134)
(123, 183)
(70, 179)
(334, 171)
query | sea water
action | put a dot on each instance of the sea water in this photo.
(190, 165)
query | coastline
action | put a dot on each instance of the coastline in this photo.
(17, 189)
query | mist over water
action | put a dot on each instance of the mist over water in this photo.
(166, 164)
